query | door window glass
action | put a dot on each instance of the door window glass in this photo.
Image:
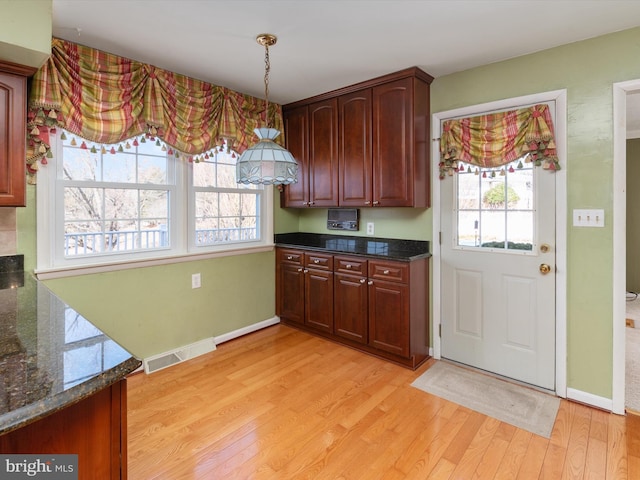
(495, 208)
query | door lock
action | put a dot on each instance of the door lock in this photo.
(544, 268)
(545, 247)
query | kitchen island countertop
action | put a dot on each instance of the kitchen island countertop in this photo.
(50, 356)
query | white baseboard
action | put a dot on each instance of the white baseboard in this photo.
(225, 337)
(187, 352)
(590, 399)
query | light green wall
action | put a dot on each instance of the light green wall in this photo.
(633, 215)
(154, 309)
(25, 31)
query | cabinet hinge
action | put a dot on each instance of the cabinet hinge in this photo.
(440, 330)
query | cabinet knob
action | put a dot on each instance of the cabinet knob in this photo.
(376, 202)
(305, 203)
(367, 202)
(300, 269)
(311, 203)
(305, 271)
(386, 272)
(362, 280)
(370, 282)
(348, 266)
(316, 261)
(289, 257)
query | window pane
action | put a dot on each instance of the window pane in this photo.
(492, 229)
(468, 191)
(79, 164)
(204, 174)
(227, 176)
(206, 204)
(154, 203)
(520, 230)
(83, 203)
(119, 167)
(152, 170)
(468, 224)
(120, 203)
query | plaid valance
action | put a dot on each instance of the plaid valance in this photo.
(106, 99)
(497, 139)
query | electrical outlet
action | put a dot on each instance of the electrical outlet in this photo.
(370, 228)
(195, 280)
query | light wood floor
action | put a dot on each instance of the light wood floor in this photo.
(281, 404)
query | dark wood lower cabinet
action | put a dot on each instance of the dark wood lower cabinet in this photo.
(318, 299)
(377, 306)
(95, 429)
(350, 302)
(389, 317)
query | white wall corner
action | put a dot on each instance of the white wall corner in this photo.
(590, 399)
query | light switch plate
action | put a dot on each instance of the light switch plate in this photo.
(588, 218)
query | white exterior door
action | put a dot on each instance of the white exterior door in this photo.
(498, 271)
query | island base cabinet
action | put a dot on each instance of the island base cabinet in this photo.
(94, 428)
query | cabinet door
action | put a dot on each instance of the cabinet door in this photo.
(354, 155)
(351, 307)
(393, 144)
(323, 154)
(291, 293)
(389, 317)
(318, 302)
(296, 125)
(12, 140)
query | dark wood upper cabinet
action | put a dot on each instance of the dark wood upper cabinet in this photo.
(323, 154)
(296, 124)
(379, 132)
(13, 131)
(354, 118)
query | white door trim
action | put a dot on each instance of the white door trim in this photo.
(560, 98)
(620, 91)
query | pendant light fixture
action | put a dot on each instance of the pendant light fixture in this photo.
(266, 162)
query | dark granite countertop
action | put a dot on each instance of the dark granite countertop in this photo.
(50, 356)
(373, 247)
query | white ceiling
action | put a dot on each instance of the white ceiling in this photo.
(327, 44)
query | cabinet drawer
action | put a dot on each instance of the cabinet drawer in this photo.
(353, 265)
(292, 257)
(390, 271)
(318, 261)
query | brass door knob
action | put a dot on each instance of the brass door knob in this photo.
(545, 247)
(544, 268)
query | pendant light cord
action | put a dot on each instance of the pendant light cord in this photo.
(267, 68)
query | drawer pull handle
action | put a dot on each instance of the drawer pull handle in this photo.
(316, 261)
(348, 266)
(362, 280)
(289, 257)
(300, 269)
(370, 282)
(376, 202)
(367, 202)
(386, 272)
(305, 271)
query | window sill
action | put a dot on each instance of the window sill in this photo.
(72, 271)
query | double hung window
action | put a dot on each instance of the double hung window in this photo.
(140, 200)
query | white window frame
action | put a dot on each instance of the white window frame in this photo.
(51, 262)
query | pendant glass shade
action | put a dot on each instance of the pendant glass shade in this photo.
(266, 162)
